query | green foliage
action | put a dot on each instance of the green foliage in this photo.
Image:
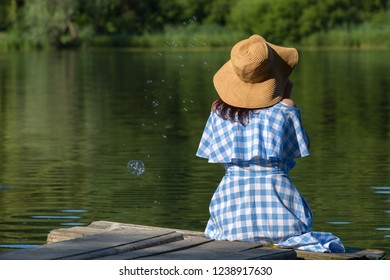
(3, 14)
(284, 21)
(279, 21)
(218, 11)
(40, 23)
(58, 23)
(370, 34)
(186, 36)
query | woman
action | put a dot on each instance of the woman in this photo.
(256, 132)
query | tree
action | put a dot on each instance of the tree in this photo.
(284, 21)
(276, 20)
(43, 23)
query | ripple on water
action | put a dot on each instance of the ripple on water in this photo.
(339, 223)
(18, 246)
(73, 224)
(383, 228)
(73, 211)
(55, 217)
(381, 189)
(4, 187)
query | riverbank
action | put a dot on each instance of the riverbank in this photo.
(367, 36)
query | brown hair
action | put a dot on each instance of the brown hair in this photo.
(228, 112)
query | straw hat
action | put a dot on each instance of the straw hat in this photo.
(256, 74)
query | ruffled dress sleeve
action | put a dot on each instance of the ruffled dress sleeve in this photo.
(272, 133)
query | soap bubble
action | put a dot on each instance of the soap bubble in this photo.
(136, 167)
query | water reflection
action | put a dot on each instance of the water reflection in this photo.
(70, 122)
(18, 246)
(55, 217)
(72, 224)
(5, 187)
(339, 223)
(382, 190)
(73, 211)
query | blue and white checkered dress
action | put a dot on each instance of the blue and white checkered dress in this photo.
(256, 200)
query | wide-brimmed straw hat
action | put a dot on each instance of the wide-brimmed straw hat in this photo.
(256, 74)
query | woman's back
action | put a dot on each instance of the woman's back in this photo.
(271, 133)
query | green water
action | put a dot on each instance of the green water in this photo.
(71, 121)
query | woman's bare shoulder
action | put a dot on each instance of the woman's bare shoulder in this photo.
(288, 102)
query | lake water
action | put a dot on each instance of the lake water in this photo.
(71, 121)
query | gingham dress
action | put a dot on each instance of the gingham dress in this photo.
(256, 200)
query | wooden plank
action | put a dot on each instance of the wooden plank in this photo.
(184, 249)
(177, 250)
(266, 253)
(225, 250)
(62, 234)
(114, 251)
(160, 249)
(93, 246)
(108, 225)
(350, 254)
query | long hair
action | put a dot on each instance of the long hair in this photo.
(228, 112)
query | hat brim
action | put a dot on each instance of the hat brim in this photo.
(238, 93)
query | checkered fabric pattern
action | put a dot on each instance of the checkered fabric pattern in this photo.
(274, 132)
(256, 201)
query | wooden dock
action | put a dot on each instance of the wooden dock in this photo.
(117, 241)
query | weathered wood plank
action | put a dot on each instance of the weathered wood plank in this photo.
(225, 250)
(266, 253)
(96, 245)
(114, 251)
(203, 248)
(111, 240)
(350, 254)
(161, 249)
(62, 234)
(108, 225)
